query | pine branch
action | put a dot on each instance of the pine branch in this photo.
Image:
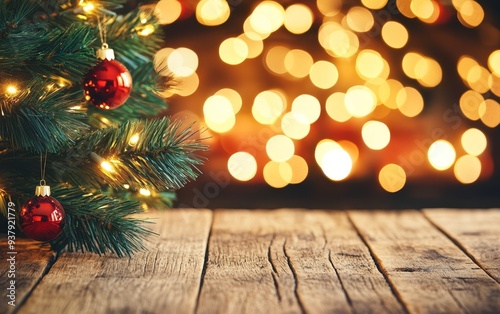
(164, 157)
(99, 224)
(39, 120)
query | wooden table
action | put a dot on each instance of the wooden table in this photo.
(277, 261)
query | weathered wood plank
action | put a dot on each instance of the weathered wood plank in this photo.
(165, 279)
(29, 264)
(428, 271)
(290, 261)
(477, 232)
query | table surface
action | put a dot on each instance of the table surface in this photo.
(276, 261)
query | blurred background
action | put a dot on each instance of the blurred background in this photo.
(338, 103)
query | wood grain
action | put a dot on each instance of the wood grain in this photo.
(429, 272)
(290, 261)
(167, 276)
(31, 262)
(477, 232)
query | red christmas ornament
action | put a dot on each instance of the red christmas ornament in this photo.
(42, 216)
(109, 83)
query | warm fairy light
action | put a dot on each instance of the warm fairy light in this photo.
(298, 63)
(410, 61)
(233, 96)
(182, 62)
(336, 164)
(275, 59)
(255, 47)
(374, 4)
(369, 64)
(323, 74)
(295, 125)
(477, 79)
(252, 33)
(489, 113)
(299, 169)
(470, 14)
(268, 106)
(267, 17)
(469, 104)
(436, 11)
(388, 93)
(146, 30)
(410, 102)
(404, 6)
(494, 62)
(277, 174)
(335, 107)
(392, 178)
(360, 101)
(233, 50)
(441, 154)
(144, 192)
(329, 7)
(423, 9)
(126, 186)
(474, 141)
(359, 19)
(323, 147)
(465, 65)
(467, 169)
(219, 114)
(494, 84)
(394, 34)
(134, 139)
(337, 41)
(242, 166)
(87, 6)
(212, 12)
(280, 148)
(160, 61)
(298, 18)
(428, 72)
(106, 165)
(11, 90)
(307, 106)
(376, 134)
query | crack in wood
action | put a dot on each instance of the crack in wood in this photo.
(205, 263)
(460, 246)
(274, 272)
(348, 299)
(295, 279)
(378, 265)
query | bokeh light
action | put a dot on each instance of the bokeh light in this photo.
(324, 74)
(474, 141)
(182, 62)
(394, 34)
(212, 12)
(242, 166)
(280, 148)
(233, 50)
(360, 101)
(298, 18)
(307, 106)
(392, 178)
(467, 169)
(376, 134)
(441, 154)
(268, 106)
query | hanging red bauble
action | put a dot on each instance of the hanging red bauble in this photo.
(42, 216)
(109, 83)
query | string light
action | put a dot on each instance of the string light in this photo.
(106, 165)
(144, 192)
(11, 90)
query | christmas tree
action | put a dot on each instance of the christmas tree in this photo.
(106, 153)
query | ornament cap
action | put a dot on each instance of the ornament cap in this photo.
(42, 190)
(105, 53)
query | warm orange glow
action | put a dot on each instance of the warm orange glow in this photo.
(233, 97)
(299, 169)
(494, 62)
(470, 13)
(394, 34)
(474, 141)
(277, 174)
(298, 63)
(469, 104)
(374, 4)
(275, 59)
(489, 113)
(168, 11)
(410, 102)
(233, 50)
(335, 107)
(329, 7)
(212, 12)
(359, 19)
(467, 169)
(298, 18)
